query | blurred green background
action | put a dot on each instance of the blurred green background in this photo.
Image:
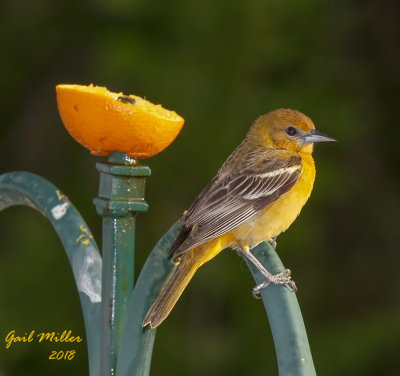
(219, 64)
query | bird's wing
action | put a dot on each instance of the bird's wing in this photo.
(228, 201)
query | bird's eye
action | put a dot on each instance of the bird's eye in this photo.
(291, 131)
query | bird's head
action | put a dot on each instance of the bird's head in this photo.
(287, 129)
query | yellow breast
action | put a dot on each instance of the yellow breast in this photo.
(278, 216)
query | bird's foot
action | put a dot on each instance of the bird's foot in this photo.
(282, 278)
(272, 242)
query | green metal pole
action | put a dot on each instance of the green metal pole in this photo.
(121, 197)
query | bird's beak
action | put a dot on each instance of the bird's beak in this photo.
(316, 136)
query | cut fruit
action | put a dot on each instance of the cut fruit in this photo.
(104, 121)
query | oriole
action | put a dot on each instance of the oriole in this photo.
(256, 194)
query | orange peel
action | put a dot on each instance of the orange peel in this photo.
(104, 121)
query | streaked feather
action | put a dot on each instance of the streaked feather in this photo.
(231, 199)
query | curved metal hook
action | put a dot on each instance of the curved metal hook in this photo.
(24, 188)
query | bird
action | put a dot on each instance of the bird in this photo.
(255, 196)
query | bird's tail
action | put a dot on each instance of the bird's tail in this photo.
(171, 293)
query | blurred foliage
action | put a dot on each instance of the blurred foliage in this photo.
(220, 65)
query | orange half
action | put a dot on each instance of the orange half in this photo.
(104, 121)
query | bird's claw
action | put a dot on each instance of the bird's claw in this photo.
(259, 287)
(282, 278)
(272, 242)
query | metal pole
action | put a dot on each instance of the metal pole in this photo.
(121, 197)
